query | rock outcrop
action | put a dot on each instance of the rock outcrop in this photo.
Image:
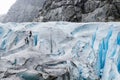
(80, 10)
(23, 11)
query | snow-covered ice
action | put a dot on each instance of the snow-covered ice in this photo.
(60, 51)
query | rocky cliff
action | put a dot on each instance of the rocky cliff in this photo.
(23, 11)
(64, 10)
(80, 10)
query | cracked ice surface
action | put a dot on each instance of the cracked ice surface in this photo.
(60, 51)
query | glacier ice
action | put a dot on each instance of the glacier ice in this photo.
(60, 51)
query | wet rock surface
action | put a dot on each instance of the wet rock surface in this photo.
(80, 10)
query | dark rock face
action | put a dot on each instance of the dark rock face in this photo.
(114, 10)
(23, 11)
(64, 10)
(80, 10)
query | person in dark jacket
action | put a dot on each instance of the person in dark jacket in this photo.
(26, 40)
(30, 34)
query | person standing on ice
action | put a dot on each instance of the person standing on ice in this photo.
(30, 34)
(26, 40)
(30, 39)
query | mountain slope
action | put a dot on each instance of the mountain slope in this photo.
(1, 17)
(23, 11)
(64, 10)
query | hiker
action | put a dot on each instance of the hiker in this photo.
(29, 39)
(26, 40)
(30, 34)
(31, 42)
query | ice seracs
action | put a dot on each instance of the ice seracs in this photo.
(60, 51)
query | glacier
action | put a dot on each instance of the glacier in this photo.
(60, 51)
